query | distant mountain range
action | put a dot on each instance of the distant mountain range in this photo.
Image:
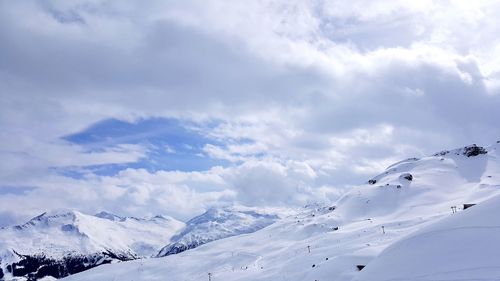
(430, 218)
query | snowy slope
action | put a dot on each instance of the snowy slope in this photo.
(215, 224)
(74, 238)
(461, 247)
(329, 242)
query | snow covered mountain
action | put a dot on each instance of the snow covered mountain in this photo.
(411, 222)
(215, 224)
(65, 242)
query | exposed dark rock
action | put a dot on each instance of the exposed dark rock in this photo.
(372, 181)
(360, 267)
(407, 176)
(471, 150)
(34, 267)
(1, 273)
(331, 208)
(442, 153)
(69, 228)
(176, 248)
(474, 150)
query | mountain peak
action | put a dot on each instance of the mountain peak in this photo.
(54, 217)
(218, 223)
(109, 216)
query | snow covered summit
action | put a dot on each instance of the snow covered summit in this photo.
(215, 224)
(59, 243)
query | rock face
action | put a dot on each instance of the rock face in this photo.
(474, 150)
(215, 224)
(469, 151)
(34, 267)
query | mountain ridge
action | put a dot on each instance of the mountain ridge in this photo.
(315, 242)
(343, 239)
(215, 224)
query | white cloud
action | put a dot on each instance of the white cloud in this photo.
(181, 194)
(131, 192)
(307, 96)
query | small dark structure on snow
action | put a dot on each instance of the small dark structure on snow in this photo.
(360, 267)
(372, 181)
(407, 176)
(467, 206)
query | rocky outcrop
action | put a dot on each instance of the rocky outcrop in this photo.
(474, 150)
(176, 248)
(469, 151)
(38, 266)
(406, 176)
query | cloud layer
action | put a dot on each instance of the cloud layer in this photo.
(288, 101)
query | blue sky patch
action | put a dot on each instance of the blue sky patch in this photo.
(172, 145)
(15, 190)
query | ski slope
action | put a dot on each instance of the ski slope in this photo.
(463, 246)
(399, 227)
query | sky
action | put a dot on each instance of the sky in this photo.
(171, 107)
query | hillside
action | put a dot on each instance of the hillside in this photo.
(460, 247)
(337, 241)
